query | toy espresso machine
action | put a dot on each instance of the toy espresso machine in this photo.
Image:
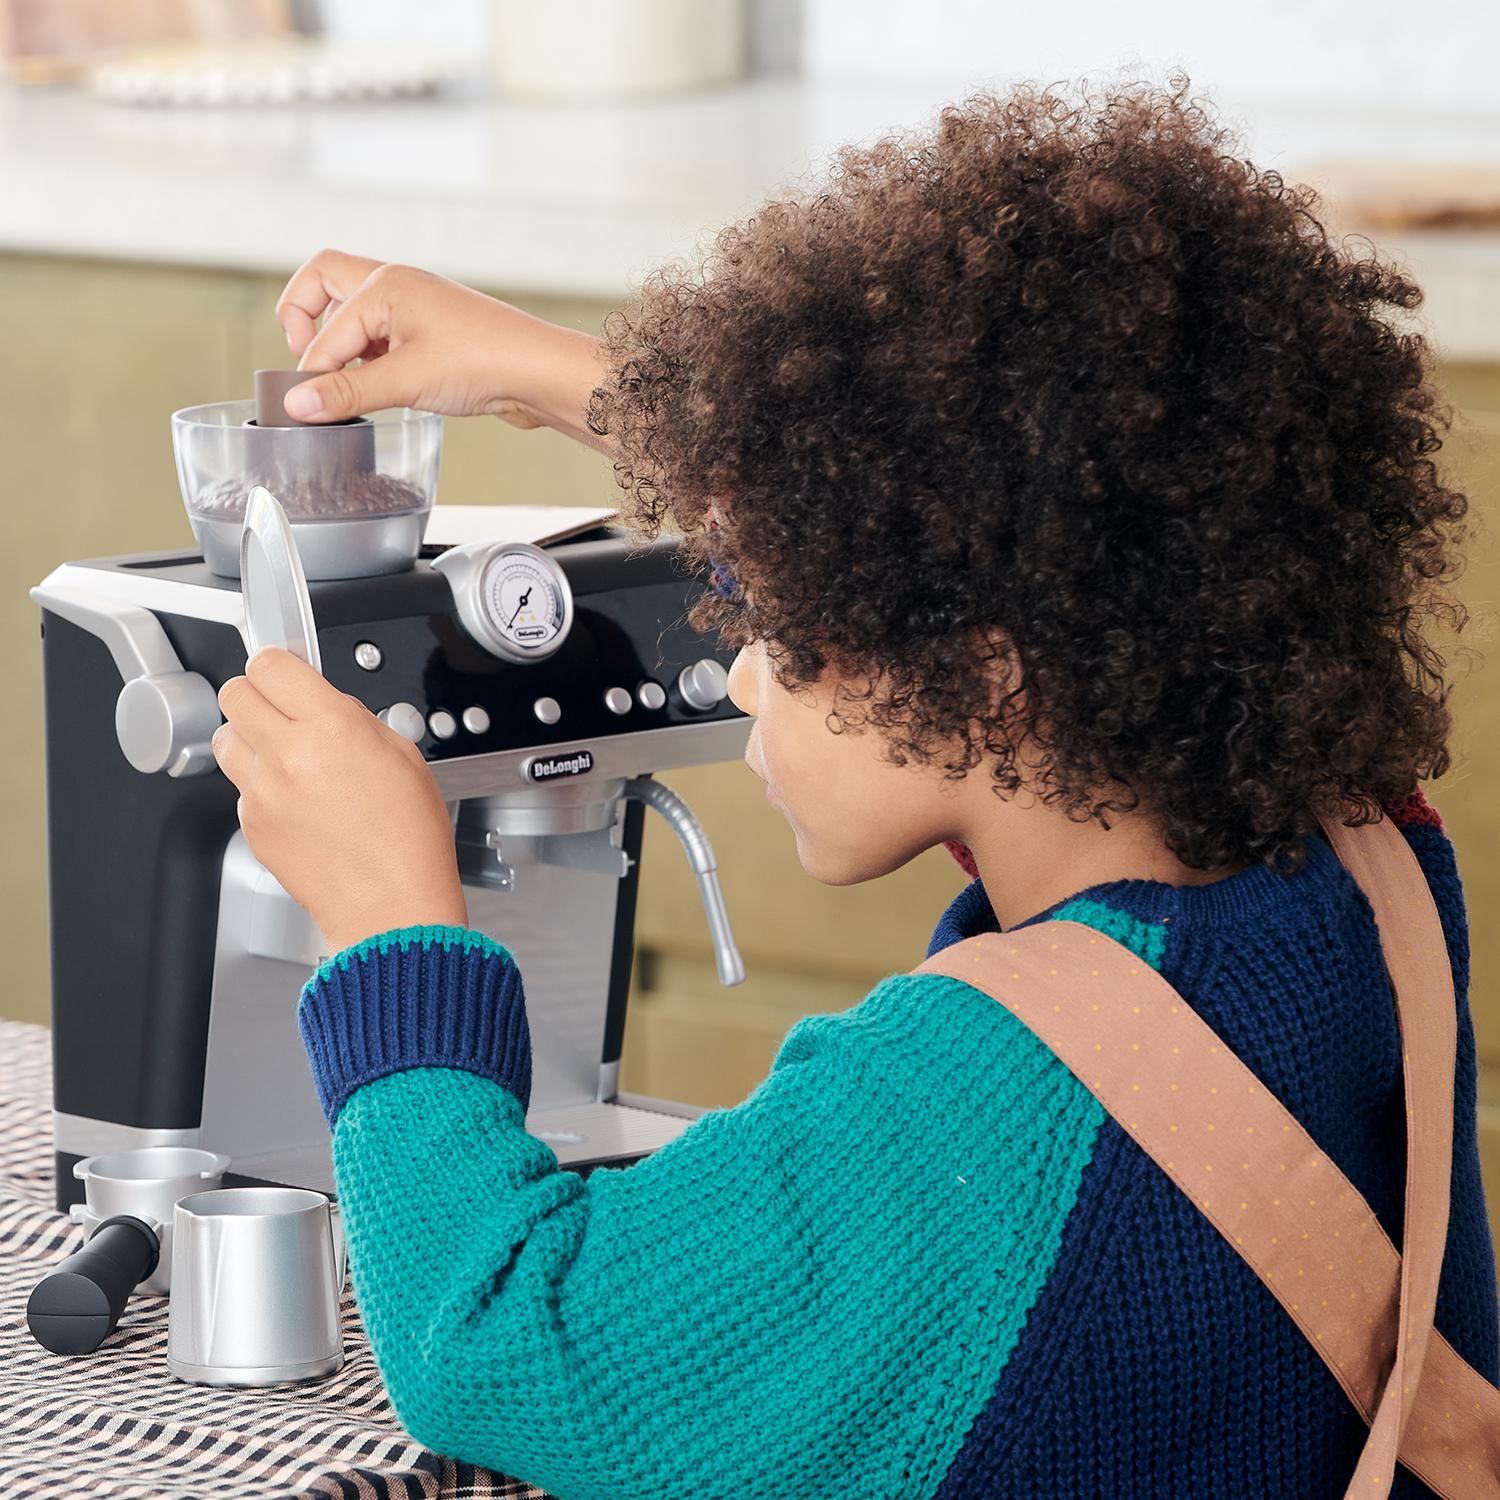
(544, 686)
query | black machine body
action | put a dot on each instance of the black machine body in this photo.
(177, 960)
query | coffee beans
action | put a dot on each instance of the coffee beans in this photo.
(353, 496)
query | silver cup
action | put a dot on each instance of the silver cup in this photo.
(257, 1274)
(145, 1183)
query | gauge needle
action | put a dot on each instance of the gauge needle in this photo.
(520, 607)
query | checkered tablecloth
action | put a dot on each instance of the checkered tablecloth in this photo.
(115, 1423)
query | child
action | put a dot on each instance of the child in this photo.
(1073, 503)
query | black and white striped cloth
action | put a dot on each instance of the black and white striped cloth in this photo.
(116, 1424)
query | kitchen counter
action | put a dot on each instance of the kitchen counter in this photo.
(116, 1423)
(570, 200)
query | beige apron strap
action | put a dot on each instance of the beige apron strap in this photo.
(1231, 1146)
(1416, 960)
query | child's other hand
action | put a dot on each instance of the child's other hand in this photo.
(342, 810)
(428, 343)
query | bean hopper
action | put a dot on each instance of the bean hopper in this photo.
(545, 687)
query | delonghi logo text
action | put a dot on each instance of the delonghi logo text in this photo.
(550, 767)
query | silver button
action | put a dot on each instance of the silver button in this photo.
(704, 685)
(651, 695)
(546, 710)
(405, 720)
(476, 720)
(442, 724)
(617, 700)
(368, 655)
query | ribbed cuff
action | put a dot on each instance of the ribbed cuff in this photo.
(419, 997)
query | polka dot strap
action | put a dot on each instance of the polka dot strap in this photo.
(1416, 960)
(1262, 1181)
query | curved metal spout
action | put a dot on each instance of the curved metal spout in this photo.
(700, 855)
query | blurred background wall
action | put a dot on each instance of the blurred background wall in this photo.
(161, 173)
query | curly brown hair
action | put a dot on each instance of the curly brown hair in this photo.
(1064, 422)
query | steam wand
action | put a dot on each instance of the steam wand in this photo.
(705, 866)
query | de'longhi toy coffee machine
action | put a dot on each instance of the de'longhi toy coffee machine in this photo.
(544, 685)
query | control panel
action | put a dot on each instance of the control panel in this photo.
(483, 649)
(529, 651)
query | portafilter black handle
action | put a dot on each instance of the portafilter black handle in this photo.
(73, 1309)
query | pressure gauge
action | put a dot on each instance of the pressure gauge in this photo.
(513, 598)
(526, 601)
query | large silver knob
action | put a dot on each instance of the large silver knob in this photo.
(166, 722)
(704, 685)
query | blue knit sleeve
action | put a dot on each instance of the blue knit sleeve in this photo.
(444, 997)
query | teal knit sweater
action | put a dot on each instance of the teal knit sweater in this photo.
(822, 1291)
(774, 1300)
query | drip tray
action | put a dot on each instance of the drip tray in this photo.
(590, 1135)
(582, 1136)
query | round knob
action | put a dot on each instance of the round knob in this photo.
(617, 700)
(165, 721)
(442, 724)
(651, 695)
(405, 720)
(704, 685)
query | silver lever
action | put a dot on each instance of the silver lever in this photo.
(700, 855)
(164, 717)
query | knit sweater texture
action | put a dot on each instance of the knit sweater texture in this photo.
(920, 1260)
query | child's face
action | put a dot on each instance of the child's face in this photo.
(854, 814)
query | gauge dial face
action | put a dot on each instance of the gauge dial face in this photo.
(525, 600)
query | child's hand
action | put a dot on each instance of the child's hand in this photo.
(340, 809)
(428, 343)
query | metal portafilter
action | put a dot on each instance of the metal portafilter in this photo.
(74, 1308)
(145, 1183)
